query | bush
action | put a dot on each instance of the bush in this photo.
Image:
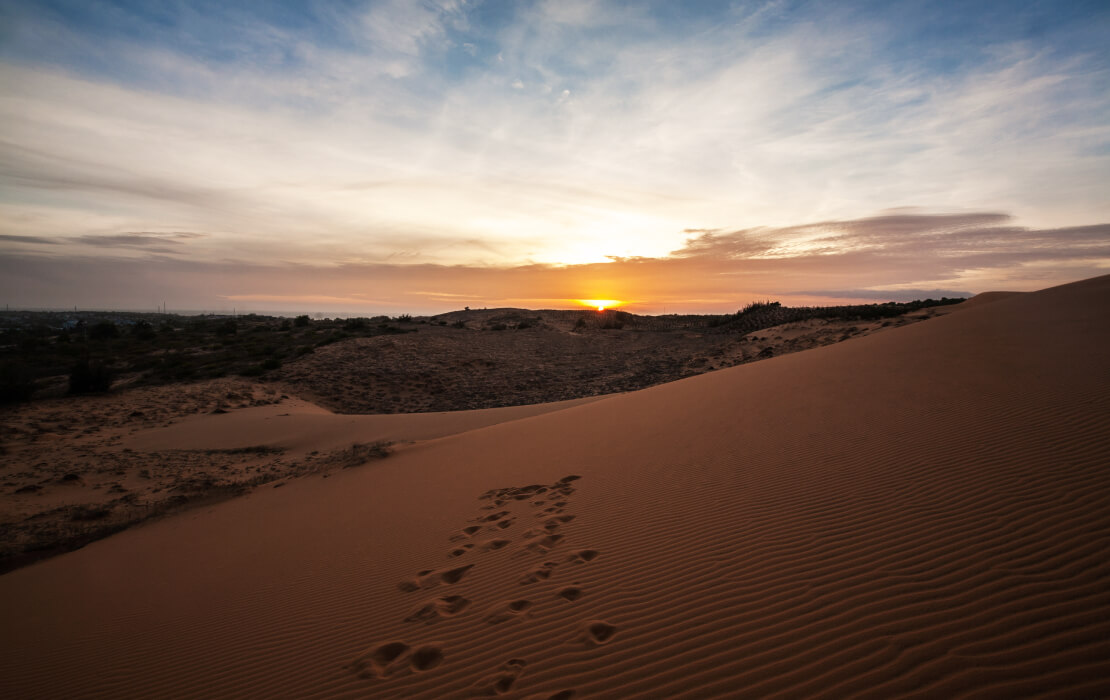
(16, 383)
(143, 331)
(301, 321)
(228, 327)
(90, 378)
(104, 331)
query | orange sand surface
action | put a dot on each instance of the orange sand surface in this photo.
(921, 512)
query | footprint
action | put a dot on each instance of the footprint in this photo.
(507, 523)
(543, 544)
(432, 611)
(494, 516)
(466, 532)
(571, 593)
(490, 545)
(429, 578)
(380, 661)
(568, 479)
(553, 523)
(503, 681)
(584, 555)
(508, 611)
(461, 550)
(540, 573)
(598, 632)
(452, 576)
(427, 657)
(561, 695)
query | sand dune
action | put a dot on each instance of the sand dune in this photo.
(301, 426)
(923, 512)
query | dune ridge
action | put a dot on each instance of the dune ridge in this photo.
(917, 513)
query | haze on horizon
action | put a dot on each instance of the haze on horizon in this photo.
(420, 156)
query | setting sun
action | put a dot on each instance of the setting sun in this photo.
(600, 304)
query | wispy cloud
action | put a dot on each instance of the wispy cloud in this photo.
(140, 239)
(875, 259)
(32, 240)
(476, 136)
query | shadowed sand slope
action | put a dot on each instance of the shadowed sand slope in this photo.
(923, 512)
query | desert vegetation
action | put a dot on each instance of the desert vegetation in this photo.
(53, 353)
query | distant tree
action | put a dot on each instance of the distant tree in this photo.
(301, 321)
(228, 327)
(16, 383)
(90, 378)
(103, 331)
(143, 331)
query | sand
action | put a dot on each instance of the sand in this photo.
(923, 512)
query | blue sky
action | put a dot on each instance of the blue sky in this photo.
(572, 135)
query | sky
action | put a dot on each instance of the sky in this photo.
(421, 156)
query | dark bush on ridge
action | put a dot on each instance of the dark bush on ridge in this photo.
(90, 378)
(16, 383)
(103, 331)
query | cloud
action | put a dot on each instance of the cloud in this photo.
(902, 295)
(35, 240)
(357, 135)
(139, 239)
(878, 259)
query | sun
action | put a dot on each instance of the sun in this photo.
(600, 304)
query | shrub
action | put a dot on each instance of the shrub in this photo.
(301, 321)
(228, 327)
(16, 383)
(143, 331)
(90, 378)
(104, 331)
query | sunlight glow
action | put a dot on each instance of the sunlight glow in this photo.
(600, 304)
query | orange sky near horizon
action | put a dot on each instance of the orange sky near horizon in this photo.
(893, 257)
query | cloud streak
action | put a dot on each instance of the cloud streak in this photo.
(543, 151)
(559, 133)
(873, 259)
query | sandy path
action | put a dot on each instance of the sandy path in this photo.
(917, 513)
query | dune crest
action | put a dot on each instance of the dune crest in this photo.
(919, 512)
